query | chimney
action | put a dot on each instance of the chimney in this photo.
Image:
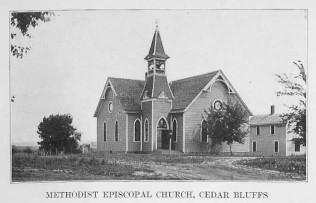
(272, 109)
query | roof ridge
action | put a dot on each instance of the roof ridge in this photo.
(125, 79)
(194, 76)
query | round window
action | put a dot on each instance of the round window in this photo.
(217, 105)
(110, 106)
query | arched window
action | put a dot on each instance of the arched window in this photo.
(146, 130)
(104, 131)
(162, 123)
(116, 132)
(110, 107)
(174, 130)
(137, 130)
(204, 131)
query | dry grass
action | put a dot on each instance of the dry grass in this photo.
(75, 167)
(291, 164)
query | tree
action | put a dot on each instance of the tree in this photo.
(27, 150)
(58, 134)
(296, 117)
(228, 124)
(23, 21)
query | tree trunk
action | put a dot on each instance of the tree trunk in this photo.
(230, 149)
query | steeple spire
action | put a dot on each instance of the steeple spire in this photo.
(156, 49)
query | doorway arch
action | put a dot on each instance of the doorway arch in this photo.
(162, 130)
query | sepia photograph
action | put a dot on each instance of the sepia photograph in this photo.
(158, 95)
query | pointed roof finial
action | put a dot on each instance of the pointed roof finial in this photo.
(157, 25)
(156, 49)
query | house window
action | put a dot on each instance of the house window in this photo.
(276, 146)
(174, 130)
(110, 107)
(217, 105)
(104, 131)
(116, 132)
(258, 130)
(254, 146)
(297, 146)
(137, 131)
(204, 131)
(272, 129)
(146, 130)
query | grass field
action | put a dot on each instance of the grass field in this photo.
(74, 167)
(292, 164)
(121, 166)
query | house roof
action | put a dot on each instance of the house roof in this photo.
(128, 92)
(156, 49)
(265, 119)
(185, 90)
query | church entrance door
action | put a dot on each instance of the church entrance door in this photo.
(162, 134)
(165, 139)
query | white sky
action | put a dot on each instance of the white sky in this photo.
(72, 56)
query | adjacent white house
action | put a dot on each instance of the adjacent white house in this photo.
(269, 136)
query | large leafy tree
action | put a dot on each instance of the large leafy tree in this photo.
(58, 134)
(296, 117)
(23, 21)
(228, 124)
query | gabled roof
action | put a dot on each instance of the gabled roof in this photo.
(185, 90)
(127, 91)
(156, 49)
(266, 119)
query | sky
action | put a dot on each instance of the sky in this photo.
(72, 55)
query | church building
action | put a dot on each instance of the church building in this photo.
(140, 115)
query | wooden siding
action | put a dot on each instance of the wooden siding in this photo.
(132, 145)
(195, 115)
(105, 116)
(146, 108)
(179, 143)
(161, 108)
(265, 141)
(236, 147)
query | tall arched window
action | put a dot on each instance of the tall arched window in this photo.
(174, 130)
(104, 131)
(116, 132)
(204, 131)
(137, 130)
(146, 130)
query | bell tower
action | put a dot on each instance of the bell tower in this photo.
(156, 80)
(156, 97)
(156, 57)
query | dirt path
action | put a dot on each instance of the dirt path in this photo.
(222, 168)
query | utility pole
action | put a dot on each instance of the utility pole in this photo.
(170, 139)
